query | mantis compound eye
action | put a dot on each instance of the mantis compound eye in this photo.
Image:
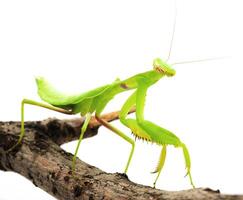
(162, 67)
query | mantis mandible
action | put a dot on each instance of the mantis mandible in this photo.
(95, 100)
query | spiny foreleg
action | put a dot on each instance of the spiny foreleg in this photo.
(160, 163)
(187, 162)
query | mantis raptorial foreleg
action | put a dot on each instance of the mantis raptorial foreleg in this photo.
(187, 162)
(140, 100)
(83, 129)
(35, 103)
(121, 134)
(161, 163)
(130, 102)
(148, 130)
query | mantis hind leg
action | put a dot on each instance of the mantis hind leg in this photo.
(35, 103)
(121, 134)
(83, 129)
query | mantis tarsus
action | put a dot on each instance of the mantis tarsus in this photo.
(94, 101)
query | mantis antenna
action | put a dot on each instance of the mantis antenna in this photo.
(196, 61)
(171, 45)
(173, 33)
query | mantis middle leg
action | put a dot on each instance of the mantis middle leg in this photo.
(117, 131)
(83, 129)
(121, 134)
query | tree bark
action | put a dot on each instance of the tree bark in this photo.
(40, 159)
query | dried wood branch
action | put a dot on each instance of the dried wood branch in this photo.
(40, 159)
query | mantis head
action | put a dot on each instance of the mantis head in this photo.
(162, 67)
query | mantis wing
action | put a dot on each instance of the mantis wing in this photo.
(54, 97)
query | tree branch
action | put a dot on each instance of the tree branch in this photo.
(40, 159)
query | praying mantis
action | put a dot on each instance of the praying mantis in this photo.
(95, 101)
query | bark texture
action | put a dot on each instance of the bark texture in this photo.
(40, 159)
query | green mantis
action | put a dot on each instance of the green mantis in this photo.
(94, 101)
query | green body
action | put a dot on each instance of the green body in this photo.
(94, 101)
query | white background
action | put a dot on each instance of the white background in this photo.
(79, 45)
